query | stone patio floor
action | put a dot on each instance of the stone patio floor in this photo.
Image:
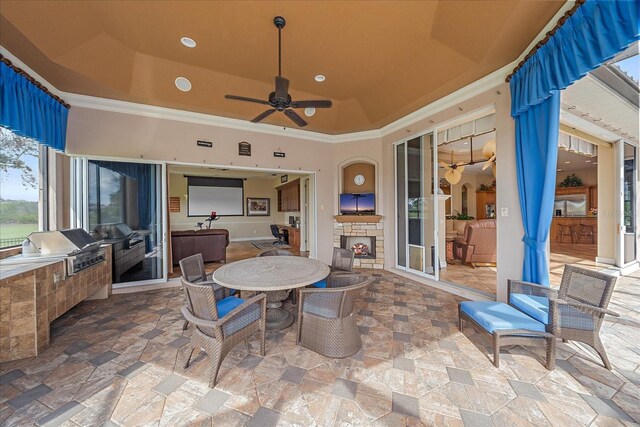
(120, 362)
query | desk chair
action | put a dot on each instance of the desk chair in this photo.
(275, 230)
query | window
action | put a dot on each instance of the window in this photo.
(22, 176)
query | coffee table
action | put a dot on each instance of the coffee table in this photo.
(276, 276)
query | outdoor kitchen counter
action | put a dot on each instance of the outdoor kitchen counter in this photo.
(9, 270)
(34, 294)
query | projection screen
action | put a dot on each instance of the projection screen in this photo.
(225, 196)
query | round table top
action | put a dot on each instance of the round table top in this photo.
(271, 273)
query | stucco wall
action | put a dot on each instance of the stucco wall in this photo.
(109, 134)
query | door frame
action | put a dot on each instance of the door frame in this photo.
(435, 204)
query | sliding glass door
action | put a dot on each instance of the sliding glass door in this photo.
(416, 206)
(122, 204)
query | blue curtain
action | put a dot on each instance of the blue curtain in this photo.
(30, 112)
(143, 174)
(593, 34)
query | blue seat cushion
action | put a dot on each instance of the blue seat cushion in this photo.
(533, 305)
(321, 284)
(495, 316)
(226, 305)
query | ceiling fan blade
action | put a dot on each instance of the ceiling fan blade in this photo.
(282, 87)
(295, 117)
(493, 169)
(489, 148)
(444, 165)
(453, 176)
(320, 103)
(244, 98)
(263, 115)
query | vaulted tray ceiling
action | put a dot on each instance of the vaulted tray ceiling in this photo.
(382, 59)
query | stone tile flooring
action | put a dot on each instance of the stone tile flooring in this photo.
(119, 362)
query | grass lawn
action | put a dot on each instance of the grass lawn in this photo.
(15, 231)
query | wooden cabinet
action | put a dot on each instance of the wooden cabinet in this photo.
(485, 203)
(294, 237)
(593, 197)
(289, 197)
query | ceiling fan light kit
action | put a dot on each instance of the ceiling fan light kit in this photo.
(279, 99)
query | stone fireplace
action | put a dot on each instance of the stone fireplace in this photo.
(364, 234)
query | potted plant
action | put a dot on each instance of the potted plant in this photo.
(571, 181)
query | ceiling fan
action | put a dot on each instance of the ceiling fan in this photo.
(454, 170)
(280, 100)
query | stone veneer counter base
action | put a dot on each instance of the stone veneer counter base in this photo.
(31, 300)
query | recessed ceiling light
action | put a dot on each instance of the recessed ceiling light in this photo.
(320, 78)
(559, 170)
(567, 162)
(466, 143)
(183, 84)
(588, 161)
(188, 42)
(309, 111)
(595, 163)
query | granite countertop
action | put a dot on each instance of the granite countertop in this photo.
(9, 270)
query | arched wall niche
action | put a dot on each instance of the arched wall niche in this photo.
(364, 166)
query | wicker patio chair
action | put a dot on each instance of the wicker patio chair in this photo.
(573, 312)
(342, 260)
(275, 252)
(326, 323)
(221, 325)
(193, 271)
(583, 299)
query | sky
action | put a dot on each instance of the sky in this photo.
(631, 66)
(11, 187)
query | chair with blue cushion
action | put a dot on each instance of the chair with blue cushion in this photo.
(573, 312)
(221, 324)
(326, 322)
(192, 268)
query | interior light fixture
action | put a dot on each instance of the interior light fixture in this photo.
(183, 84)
(309, 111)
(559, 170)
(588, 161)
(188, 42)
(320, 78)
(567, 163)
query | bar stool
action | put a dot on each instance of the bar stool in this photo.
(586, 232)
(566, 229)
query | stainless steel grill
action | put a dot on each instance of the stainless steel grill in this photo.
(75, 246)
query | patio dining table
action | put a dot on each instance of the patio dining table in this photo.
(276, 276)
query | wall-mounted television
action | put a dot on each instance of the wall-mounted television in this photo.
(357, 204)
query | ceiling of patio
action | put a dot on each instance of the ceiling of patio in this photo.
(382, 60)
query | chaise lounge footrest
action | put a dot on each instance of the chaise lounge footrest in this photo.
(508, 326)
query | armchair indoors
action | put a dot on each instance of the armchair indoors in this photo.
(479, 244)
(221, 325)
(573, 312)
(326, 323)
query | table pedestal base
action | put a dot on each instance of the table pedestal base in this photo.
(277, 317)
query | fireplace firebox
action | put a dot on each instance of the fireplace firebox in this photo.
(362, 246)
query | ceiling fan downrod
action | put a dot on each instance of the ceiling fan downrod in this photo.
(280, 22)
